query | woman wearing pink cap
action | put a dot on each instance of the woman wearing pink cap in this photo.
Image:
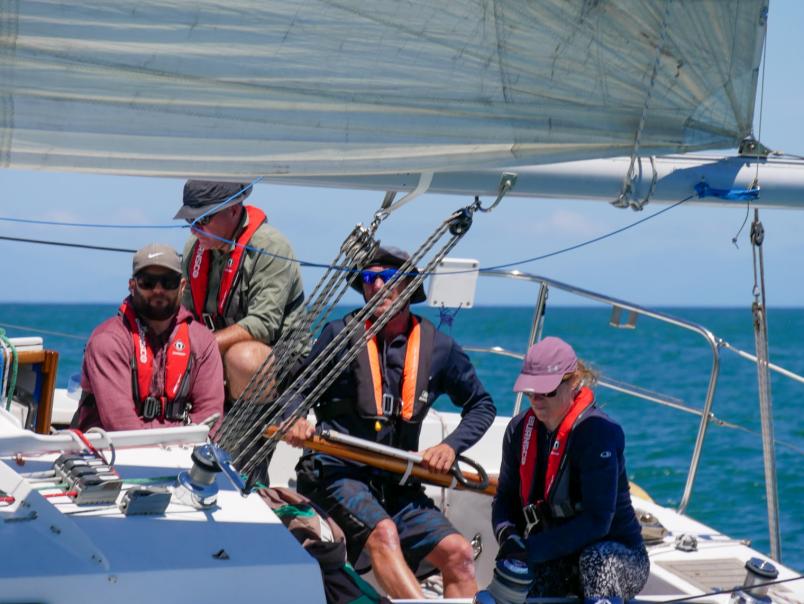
(563, 506)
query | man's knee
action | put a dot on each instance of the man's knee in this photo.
(384, 536)
(246, 357)
(454, 556)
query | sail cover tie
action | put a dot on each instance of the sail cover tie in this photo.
(750, 194)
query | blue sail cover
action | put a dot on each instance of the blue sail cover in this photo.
(236, 88)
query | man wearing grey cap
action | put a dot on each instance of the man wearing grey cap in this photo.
(244, 282)
(151, 366)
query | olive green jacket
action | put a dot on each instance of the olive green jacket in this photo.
(268, 295)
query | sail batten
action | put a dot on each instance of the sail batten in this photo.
(328, 87)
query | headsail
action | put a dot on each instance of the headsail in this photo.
(323, 87)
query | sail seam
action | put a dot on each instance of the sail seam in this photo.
(9, 30)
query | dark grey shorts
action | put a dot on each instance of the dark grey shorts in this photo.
(359, 505)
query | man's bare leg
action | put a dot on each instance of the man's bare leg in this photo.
(240, 362)
(454, 557)
(389, 566)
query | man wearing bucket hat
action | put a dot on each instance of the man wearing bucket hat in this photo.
(563, 504)
(244, 282)
(151, 366)
(398, 525)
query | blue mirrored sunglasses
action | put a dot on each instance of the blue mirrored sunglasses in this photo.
(370, 276)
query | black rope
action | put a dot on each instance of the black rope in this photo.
(64, 244)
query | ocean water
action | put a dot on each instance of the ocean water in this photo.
(729, 491)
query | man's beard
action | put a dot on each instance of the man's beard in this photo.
(160, 313)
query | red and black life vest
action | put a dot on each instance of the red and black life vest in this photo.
(556, 489)
(170, 404)
(200, 260)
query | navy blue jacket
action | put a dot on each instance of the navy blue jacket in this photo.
(598, 481)
(451, 373)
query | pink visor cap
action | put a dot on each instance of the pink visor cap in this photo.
(546, 364)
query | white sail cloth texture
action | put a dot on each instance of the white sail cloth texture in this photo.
(239, 88)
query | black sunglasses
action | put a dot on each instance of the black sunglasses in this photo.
(200, 222)
(148, 281)
(553, 393)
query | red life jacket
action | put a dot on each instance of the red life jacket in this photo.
(555, 462)
(200, 259)
(177, 365)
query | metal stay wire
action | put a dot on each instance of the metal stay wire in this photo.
(356, 247)
(287, 351)
(368, 246)
(304, 381)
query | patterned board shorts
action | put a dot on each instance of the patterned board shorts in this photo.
(602, 570)
(359, 505)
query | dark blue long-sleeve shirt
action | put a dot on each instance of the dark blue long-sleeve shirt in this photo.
(598, 481)
(451, 373)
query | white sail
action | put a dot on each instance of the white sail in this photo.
(325, 87)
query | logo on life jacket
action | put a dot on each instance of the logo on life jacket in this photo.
(141, 342)
(526, 438)
(178, 345)
(198, 258)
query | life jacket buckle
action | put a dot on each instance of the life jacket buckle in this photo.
(151, 408)
(388, 405)
(209, 321)
(176, 411)
(533, 517)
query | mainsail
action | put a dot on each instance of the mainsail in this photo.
(240, 88)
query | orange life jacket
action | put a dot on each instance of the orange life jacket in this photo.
(200, 259)
(172, 402)
(373, 402)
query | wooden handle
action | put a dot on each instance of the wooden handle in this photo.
(390, 464)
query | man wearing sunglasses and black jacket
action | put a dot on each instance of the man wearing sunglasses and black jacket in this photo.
(152, 365)
(384, 397)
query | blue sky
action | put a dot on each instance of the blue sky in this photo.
(684, 257)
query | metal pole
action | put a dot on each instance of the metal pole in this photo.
(535, 331)
(763, 380)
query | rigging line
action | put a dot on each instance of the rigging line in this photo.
(343, 269)
(762, 93)
(728, 591)
(60, 334)
(759, 138)
(727, 424)
(577, 245)
(90, 225)
(64, 244)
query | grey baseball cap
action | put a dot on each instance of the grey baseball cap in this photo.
(156, 254)
(201, 196)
